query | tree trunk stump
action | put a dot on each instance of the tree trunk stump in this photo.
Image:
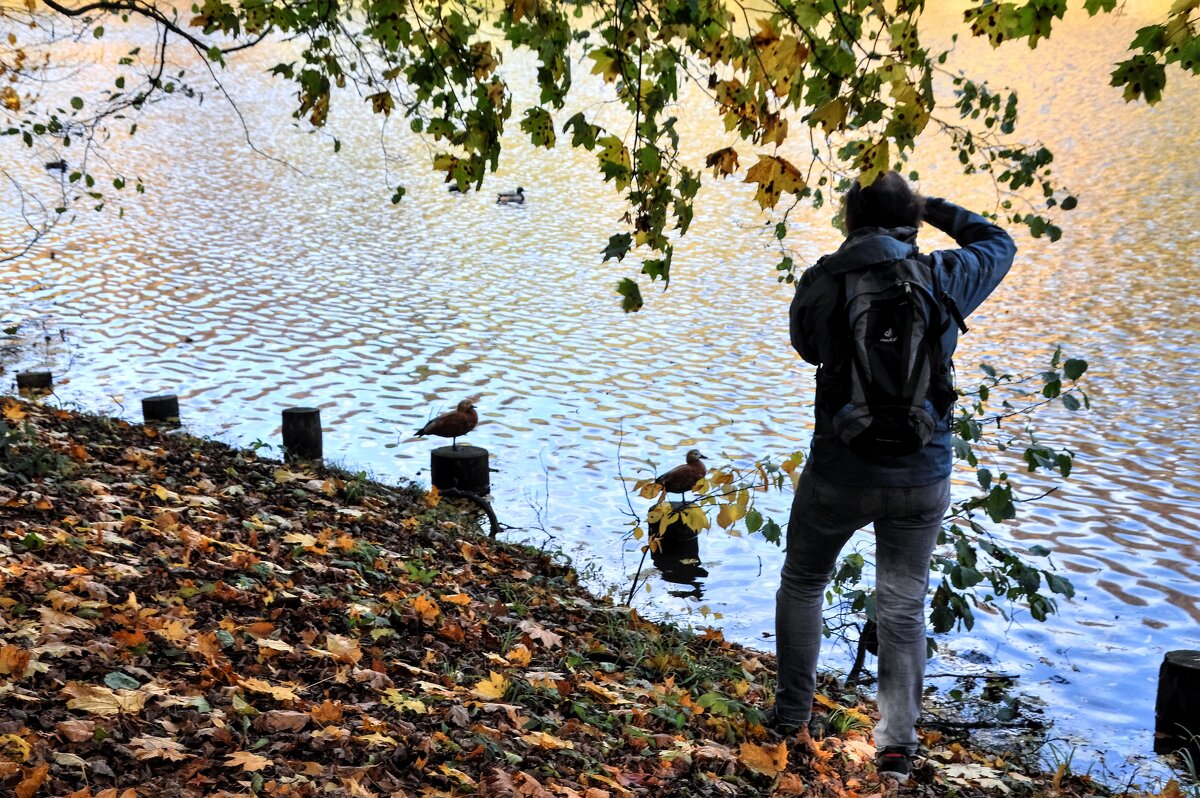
(35, 380)
(464, 468)
(302, 433)
(163, 409)
(1177, 710)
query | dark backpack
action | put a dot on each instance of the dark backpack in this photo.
(891, 381)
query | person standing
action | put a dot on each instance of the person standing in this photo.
(903, 489)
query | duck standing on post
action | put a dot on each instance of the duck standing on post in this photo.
(681, 479)
(511, 197)
(458, 421)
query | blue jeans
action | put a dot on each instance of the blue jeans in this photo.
(824, 516)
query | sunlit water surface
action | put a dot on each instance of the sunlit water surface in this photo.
(247, 286)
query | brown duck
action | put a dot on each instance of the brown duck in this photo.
(681, 479)
(458, 421)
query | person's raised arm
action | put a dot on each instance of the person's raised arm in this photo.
(984, 256)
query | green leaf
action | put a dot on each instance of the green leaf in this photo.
(1070, 402)
(1095, 6)
(618, 246)
(1074, 368)
(77, 103)
(121, 681)
(631, 301)
(1069, 204)
(1142, 76)
(754, 521)
(1059, 584)
(540, 127)
(771, 531)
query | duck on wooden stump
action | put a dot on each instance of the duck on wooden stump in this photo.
(681, 479)
(511, 197)
(458, 421)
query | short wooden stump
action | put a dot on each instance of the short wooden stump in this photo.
(302, 434)
(35, 380)
(1177, 709)
(464, 468)
(162, 409)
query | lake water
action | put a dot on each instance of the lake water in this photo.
(248, 286)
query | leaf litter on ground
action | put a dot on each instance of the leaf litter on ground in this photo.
(181, 618)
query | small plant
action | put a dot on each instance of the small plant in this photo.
(355, 488)
(422, 576)
(259, 443)
(25, 458)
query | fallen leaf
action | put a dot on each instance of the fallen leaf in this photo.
(519, 655)
(33, 780)
(76, 731)
(343, 649)
(282, 720)
(425, 607)
(769, 760)
(327, 712)
(543, 740)
(14, 661)
(14, 747)
(247, 761)
(541, 634)
(491, 688)
(157, 748)
(103, 701)
(277, 691)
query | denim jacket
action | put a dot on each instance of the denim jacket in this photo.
(968, 274)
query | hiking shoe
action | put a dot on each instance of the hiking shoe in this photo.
(894, 762)
(782, 728)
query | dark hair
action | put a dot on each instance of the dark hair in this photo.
(888, 202)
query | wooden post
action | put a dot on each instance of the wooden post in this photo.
(164, 408)
(34, 380)
(302, 433)
(676, 553)
(1177, 710)
(464, 468)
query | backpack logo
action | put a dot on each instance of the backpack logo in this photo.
(888, 337)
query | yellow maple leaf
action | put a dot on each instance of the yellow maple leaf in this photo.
(831, 116)
(433, 497)
(247, 761)
(775, 176)
(873, 162)
(724, 162)
(12, 411)
(519, 655)
(543, 740)
(458, 599)
(277, 691)
(769, 760)
(425, 607)
(491, 688)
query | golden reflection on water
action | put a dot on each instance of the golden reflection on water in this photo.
(247, 285)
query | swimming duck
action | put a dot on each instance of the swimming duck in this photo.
(56, 166)
(681, 479)
(458, 421)
(511, 197)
